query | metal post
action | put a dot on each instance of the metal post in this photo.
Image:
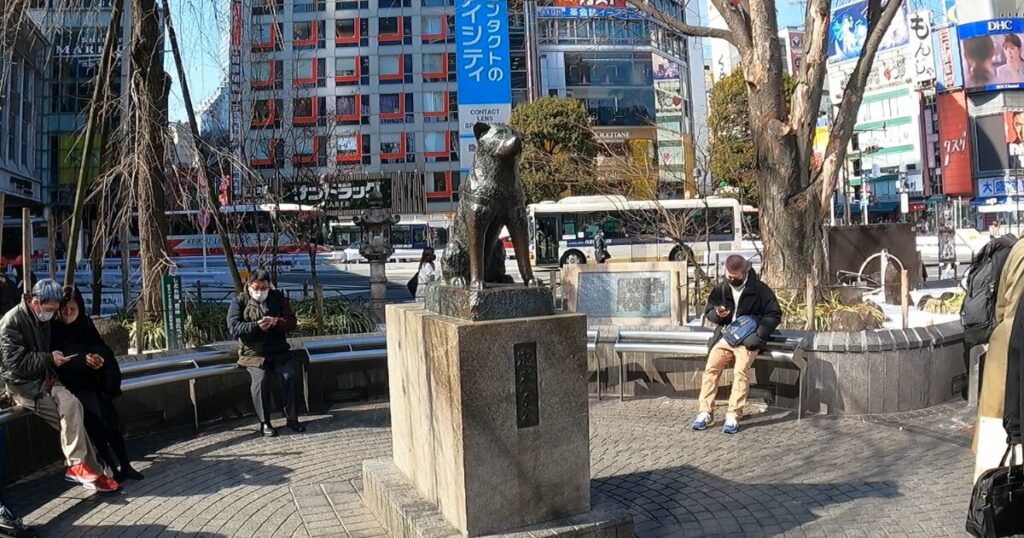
(26, 250)
(126, 265)
(885, 269)
(904, 302)
(51, 248)
(3, 216)
(809, 297)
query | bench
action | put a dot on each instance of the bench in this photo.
(780, 348)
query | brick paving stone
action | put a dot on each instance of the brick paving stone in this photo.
(825, 476)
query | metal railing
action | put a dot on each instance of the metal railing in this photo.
(196, 365)
(694, 343)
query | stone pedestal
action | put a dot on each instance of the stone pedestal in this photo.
(499, 301)
(490, 421)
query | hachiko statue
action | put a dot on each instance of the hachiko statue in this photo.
(492, 197)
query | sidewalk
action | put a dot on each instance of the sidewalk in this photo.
(859, 476)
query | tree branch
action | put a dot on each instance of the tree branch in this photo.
(805, 103)
(682, 27)
(853, 94)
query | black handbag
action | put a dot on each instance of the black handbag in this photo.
(997, 502)
(413, 284)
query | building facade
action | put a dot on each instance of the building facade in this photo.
(338, 89)
(21, 119)
(637, 81)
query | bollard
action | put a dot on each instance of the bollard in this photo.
(552, 276)
(305, 289)
(199, 291)
(904, 299)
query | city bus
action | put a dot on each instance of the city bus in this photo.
(250, 228)
(409, 237)
(635, 230)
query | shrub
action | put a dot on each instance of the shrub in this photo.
(341, 316)
(205, 323)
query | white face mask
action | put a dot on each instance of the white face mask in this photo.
(259, 296)
(45, 316)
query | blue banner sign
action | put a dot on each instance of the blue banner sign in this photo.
(991, 27)
(482, 67)
(564, 12)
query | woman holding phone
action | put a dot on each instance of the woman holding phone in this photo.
(94, 377)
(261, 318)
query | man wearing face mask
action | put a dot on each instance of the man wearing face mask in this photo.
(742, 294)
(29, 372)
(261, 318)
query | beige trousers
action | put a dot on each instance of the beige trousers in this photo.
(61, 410)
(720, 358)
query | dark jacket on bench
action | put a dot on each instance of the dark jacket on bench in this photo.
(255, 345)
(757, 300)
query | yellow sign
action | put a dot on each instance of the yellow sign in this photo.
(69, 158)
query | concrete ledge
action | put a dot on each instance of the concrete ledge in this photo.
(405, 514)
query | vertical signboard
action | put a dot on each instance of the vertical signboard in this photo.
(954, 151)
(946, 45)
(235, 96)
(921, 53)
(482, 67)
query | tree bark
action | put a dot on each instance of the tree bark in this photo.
(150, 86)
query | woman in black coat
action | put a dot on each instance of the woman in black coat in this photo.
(94, 377)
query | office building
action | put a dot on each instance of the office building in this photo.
(22, 78)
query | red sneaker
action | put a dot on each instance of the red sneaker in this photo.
(80, 473)
(104, 484)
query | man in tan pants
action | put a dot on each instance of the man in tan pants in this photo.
(28, 372)
(742, 294)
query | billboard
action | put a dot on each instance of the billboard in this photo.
(946, 43)
(954, 150)
(482, 67)
(990, 144)
(921, 52)
(1013, 123)
(345, 195)
(991, 54)
(618, 4)
(848, 31)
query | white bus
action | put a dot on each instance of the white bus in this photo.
(635, 230)
(409, 237)
(250, 227)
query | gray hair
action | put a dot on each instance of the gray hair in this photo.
(48, 291)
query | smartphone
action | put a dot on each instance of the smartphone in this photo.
(69, 357)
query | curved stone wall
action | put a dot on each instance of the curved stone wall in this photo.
(883, 371)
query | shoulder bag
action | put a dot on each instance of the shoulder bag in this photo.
(997, 502)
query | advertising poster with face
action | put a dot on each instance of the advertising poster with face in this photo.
(991, 54)
(1015, 138)
(849, 30)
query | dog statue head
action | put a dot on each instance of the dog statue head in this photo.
(497, 140)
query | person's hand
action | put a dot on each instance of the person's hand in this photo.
(94, 361)
(266, 323)
(722, 311)
(59, 359)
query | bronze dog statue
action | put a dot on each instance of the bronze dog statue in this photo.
(491, 197)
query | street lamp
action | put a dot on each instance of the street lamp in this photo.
(376, 222)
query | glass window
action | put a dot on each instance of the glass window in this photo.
(348, 144)
(345, 67)
(432, 25)
(390, 103)
(261, 32)
(440, 178)
(434, 62)
(345, 28)
(434, 101)
(304, 146)
(303, 69)
(433, 142)
(436, 3)
(388, 26)
(261, 71)
(261, 150)
(391, 65)
(390, 143)
(303, 107)
(303, 31)
(345, 105)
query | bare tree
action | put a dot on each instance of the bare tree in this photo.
(794, 200)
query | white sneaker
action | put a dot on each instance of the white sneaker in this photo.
(702, 421)
(731, 424)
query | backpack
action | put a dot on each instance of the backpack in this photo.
(978, 310)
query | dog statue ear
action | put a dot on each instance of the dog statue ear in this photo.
(480, 129)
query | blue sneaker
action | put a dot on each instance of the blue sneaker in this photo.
(731, 426)
(702, 421)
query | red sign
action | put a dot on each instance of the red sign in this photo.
(954, 147)
(591, 3)
(203, 218)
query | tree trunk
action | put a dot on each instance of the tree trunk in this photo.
(150, 87)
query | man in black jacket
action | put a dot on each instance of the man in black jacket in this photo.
(742, 294)
(261, 318)
(29, 372)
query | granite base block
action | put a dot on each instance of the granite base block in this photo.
(404, 513)
(506, 301)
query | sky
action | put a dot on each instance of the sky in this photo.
(203, 24)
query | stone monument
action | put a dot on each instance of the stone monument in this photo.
(489, 406)
(376, 222)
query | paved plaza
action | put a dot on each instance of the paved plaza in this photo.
(855, 476)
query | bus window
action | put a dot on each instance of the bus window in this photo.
(401, 235)
(569, 226)
(440, 237)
